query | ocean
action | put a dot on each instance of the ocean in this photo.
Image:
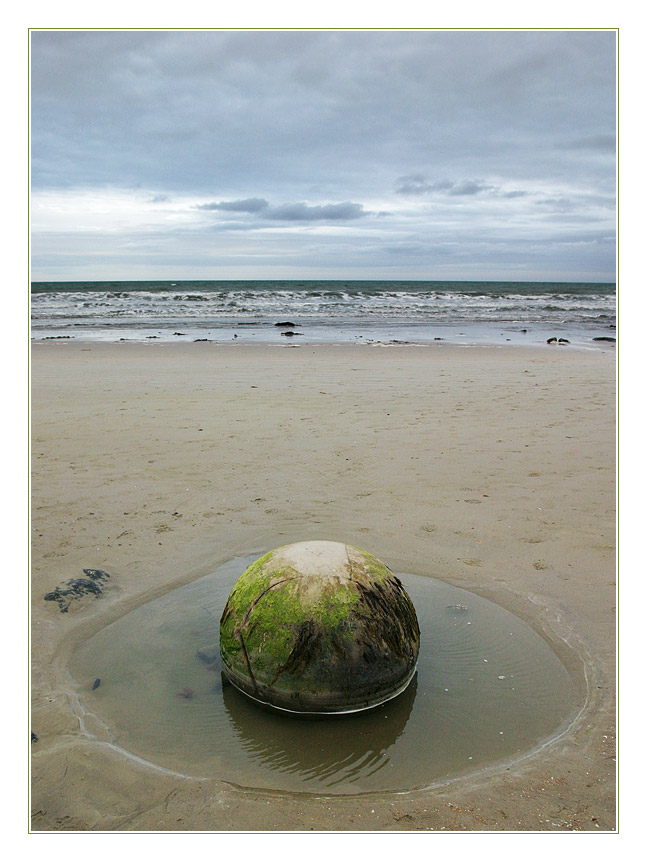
(325, 311)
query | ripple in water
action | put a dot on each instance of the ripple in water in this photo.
(487, 689)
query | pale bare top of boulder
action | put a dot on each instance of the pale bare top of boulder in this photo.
(319, 561)
(319, 557)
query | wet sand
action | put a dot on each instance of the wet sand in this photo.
(490, 468)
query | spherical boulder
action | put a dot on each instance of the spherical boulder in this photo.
(319, 627)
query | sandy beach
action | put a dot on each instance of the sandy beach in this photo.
(490, 468)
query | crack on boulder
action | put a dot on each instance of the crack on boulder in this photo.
(239, 635)
(253, 604)
(346, 551)
(238, 632)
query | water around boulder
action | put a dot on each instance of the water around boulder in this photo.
(487, 690)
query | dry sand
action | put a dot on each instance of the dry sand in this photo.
(490, 468)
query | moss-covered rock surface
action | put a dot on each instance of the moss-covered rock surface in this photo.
(319, 627)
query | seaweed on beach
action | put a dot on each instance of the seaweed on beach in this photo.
(75, 588)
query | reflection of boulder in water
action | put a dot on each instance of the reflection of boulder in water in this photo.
(330, 749)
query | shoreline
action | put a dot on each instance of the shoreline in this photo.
(475, 337)
(155, 462)
(540, 349)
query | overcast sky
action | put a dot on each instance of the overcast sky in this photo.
(323, 154)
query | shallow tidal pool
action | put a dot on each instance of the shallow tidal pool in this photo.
(487, 690)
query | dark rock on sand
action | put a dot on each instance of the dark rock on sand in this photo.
(76, 588)
(285, 324)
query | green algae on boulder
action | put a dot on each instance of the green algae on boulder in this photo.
(319, 627)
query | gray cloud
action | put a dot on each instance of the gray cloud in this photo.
(600, 143)
(469, 187)
(324, 212)
(248, 205)
(416, 184)
(298, 212)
